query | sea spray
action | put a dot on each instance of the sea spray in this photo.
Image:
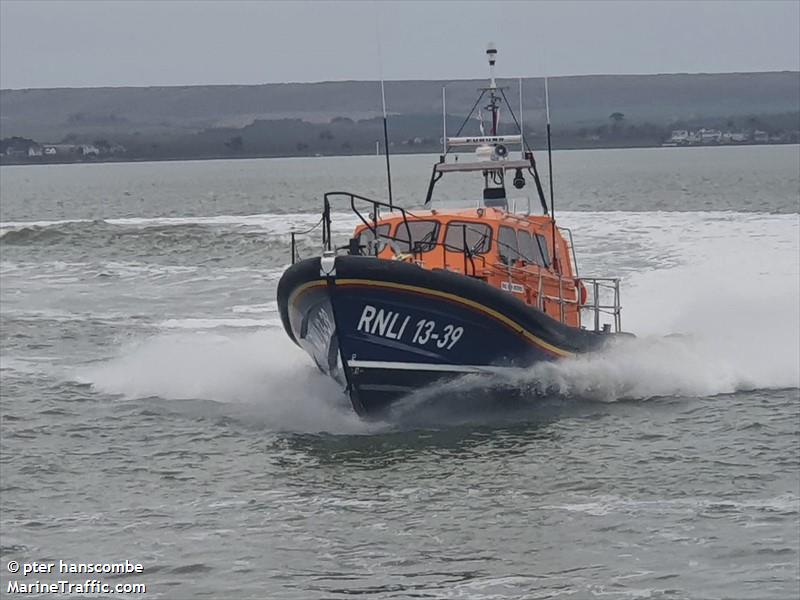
(261, 369)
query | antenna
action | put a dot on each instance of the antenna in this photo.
(386, 147)
(521, 122)
(550, 168)
(383, 104)
(444, 122)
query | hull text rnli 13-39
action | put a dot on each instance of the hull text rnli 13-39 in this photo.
(416, 297)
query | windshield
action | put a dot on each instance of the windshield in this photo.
(479, 237)
(507, 245)
(543, 248)
(424, 235)
(367, 240)
(529, 249)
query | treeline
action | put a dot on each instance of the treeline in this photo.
(408, 134)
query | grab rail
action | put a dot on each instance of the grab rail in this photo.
(571, 245)
(414, 246)
(304, 232)
(614, 309)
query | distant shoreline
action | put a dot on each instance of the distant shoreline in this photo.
(42, 161)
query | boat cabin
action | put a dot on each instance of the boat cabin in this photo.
(509, 251)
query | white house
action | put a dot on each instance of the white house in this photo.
(89, 150)
(679, 136)
(710, 136)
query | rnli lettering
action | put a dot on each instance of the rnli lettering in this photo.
(385, 323)
(392, 325)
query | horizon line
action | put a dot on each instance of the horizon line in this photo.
(432, 80)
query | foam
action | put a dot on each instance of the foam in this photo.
(267, 307)
(200, 323)
(262, 371)
(604, 504)
(267, 222)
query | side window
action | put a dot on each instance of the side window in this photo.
(529, 249)
(507, 245)
(479, 237)
(366, 237)
(543, 247)
(424, 235)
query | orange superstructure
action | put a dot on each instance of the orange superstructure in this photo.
(511, 252)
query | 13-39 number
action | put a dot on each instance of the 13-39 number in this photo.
(427, 331)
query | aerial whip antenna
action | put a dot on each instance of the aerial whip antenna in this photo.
(386, 145)
(521, 122)
(550, 168)
(383, 104)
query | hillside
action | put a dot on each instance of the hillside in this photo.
(657, 98)
(276, 119)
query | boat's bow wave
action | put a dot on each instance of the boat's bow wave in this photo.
(281, 391)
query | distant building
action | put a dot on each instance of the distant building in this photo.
(710, 136)
(62, 149)
(760, 137)
(679, 136)
(89, 150)
(19, 147)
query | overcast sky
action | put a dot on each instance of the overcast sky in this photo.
(115, 43)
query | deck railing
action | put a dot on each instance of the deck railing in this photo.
(371, 221)
(596, 306)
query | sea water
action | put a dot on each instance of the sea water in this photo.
(153, 410)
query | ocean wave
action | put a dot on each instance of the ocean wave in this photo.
(201, 323)
(270, 223)
(786, 504)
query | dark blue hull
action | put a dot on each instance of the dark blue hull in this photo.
(383, 329)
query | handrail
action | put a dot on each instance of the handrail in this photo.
(571, 250)
(615, 309)
(414, 247)
(304, 232)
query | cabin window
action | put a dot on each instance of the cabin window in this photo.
(424, 235)
(543, 247)
(529, 248)
(507, 245)
(366, 237)
(479, 237)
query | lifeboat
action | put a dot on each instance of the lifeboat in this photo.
(416, 297)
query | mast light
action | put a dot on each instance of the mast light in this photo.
(491, 54)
